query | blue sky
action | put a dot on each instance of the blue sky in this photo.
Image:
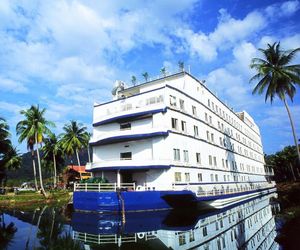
(66, 55)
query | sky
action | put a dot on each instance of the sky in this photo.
(66, 55)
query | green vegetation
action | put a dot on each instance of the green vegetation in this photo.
(289, 199)
(277, 77)
(74, 138)
(95, 180)
(285, 164)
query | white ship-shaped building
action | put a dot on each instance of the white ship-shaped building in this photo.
(170, 143)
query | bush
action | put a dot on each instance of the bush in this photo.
(95, 180)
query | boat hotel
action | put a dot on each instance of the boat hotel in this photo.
(171, 143)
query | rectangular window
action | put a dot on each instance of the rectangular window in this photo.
(172, 101)
(126, 156)
(176, 152)
(216, 178)
(223, 163)
(175, 123)
(210, 120)
(206, 117)
(181, 238)
(207, 136)
(204, 231)
(212, 138)
(183, 126)
(198, 158)
(186, 156)
(210, 160)
(215, 161)
(181, 103)
(221, 141)
(187, 177)
(194, 110)
(125, 126)
(199, 177)
(177, 177)
(196, 132)
(208, 103)
(211, 177)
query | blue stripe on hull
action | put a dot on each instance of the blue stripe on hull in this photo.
(142, 200)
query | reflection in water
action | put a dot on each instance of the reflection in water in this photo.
(249, 225)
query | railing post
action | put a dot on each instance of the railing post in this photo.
(115, 186)
(85, 187)
(99, 187)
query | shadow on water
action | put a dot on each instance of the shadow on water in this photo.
(246, 225)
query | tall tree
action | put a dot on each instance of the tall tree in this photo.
(146, 76)
(277, 77)
(34, 126)
(10, 159)
(51, 150)
(181, 66)
(74, 138)
(133, 80)
(163, 71)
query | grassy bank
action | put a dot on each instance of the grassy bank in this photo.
(33, 199)
(289, 198)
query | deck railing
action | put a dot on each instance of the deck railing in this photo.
(103, 187)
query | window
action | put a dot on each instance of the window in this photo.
(215, 161)
(207, 136)
(206, 117)
(210, 160)
(194, 110)
(223, 163)
(216, 178)
(172, 101)
(186, 156)
(176, 152)
(181, 104)
(181, 238)
(196, 132)
(175, 123)
(183, 126)
(200, 177)
(192, 236)
(177, 177)
(221, 141)
(187, 177)
(204, 230)
(198, 158)
(208, 103)
(211, 177)
(212, 138)
(126, 156)
(210, 120)
(125, 126)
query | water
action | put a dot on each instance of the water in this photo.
(250, 225)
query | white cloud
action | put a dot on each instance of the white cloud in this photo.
(11, 85)
(284, 9)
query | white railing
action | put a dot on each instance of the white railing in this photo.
(104, 239)
(103, 187)
(215, 192)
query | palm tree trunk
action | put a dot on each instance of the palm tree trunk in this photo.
(40, 168)
(77, 155)
(34, 170)
(54, 165)
(293, 129)
(89, 153)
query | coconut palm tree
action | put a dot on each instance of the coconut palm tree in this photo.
(163, 71)
(74, 138)
(146, 76)
(4, 137)
(32, 129)
(181, 66)
(133, 80)
(277, 77)
(51, 149)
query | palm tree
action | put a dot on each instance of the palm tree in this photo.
(74, 138)
(4, 137)
(133, 80)
(146, 76)
(163, 71)
(277, 77)
(32, 129)
(51, 149)
(181, 66)
(9, 156)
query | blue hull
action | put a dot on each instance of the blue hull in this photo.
(114, 202)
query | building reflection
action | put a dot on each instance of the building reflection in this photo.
(247, 225)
